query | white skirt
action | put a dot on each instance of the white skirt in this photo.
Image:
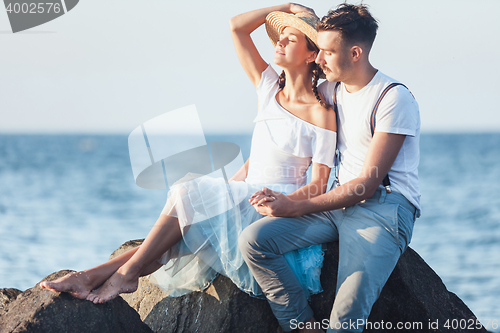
(212, 214)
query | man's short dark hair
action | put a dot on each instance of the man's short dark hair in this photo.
(354, 23)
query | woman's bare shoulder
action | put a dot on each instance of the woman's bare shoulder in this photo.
(324, 118)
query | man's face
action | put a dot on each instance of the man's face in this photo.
(333, 57)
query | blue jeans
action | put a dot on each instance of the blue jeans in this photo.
(372, 235)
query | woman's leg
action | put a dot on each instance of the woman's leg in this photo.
(164, 234)
(79, 284)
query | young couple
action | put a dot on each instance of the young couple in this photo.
(278, 255)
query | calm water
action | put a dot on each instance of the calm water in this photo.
(67, 202)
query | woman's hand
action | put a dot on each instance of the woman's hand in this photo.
(260, 196)
(270, 203)
(296, 8)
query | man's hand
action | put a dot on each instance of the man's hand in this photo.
(270, 203)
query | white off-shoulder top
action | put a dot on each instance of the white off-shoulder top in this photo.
(283, 145)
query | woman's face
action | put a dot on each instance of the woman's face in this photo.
(291, 49)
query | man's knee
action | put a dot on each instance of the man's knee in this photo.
(247, 241)
(253, 240)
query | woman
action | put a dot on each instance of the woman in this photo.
(294, 127)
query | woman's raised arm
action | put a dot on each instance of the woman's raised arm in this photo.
(243, 25)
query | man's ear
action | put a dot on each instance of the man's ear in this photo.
(356, 53)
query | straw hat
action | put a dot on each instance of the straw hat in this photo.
(306, 22)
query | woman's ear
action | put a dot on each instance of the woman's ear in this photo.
(312, 57)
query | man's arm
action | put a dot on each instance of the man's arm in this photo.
(381, 155)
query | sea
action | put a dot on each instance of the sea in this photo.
(68, 201)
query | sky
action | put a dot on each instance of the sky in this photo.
(109, 66)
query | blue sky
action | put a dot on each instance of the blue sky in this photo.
(108, 66)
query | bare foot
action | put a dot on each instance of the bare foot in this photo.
(77, 284)
(118, 283)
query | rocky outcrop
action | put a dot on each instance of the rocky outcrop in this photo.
(414, 296)
(40, 310)
(7, 295)
(222, 307)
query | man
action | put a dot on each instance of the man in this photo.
(373, 223)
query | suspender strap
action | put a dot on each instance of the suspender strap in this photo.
(337, 152)
(386, 182)
(373, 121)
(335, 101)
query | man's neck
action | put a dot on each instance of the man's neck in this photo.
(360, 78)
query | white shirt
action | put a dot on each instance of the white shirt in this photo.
(398, 113)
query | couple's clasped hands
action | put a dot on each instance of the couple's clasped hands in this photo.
(271, 203)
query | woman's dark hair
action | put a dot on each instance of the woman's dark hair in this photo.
(316, 72)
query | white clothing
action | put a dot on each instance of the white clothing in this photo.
(212, 214)
(297, 142)
(398, 113)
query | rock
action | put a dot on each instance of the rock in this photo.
(41, 310)
(414, 295)
(7, 295)
(222, 307)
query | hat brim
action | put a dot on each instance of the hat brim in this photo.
(276, 22)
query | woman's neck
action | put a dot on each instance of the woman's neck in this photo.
(297, 85)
